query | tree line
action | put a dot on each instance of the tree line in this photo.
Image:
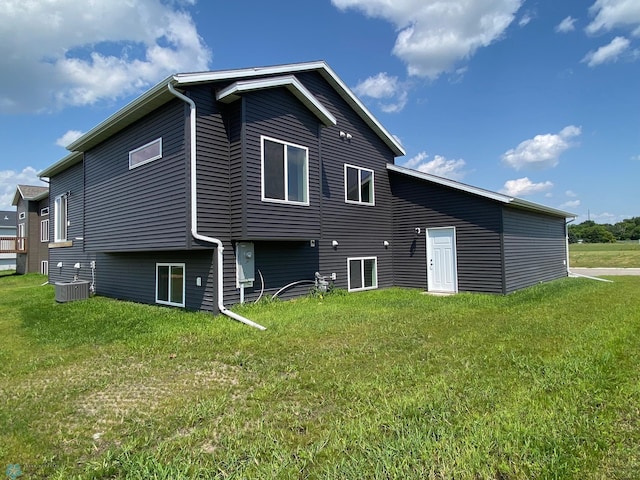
(592, 232)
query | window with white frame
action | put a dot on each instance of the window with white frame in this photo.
(146, 153)
(44, 211)
(362, 273)
(170, 284)
(358, 185)
(285, 172)
(21, 237)
(60, 218)
(22, 215)
(44, 230)
(44, 267)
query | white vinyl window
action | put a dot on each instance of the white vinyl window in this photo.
(44, 211)
(146, 153)
(285, 172)
(44, 267)
(170, 284)
(60, 219)
(362, 273)
(358, 185)
(44, 230)
(21, 240)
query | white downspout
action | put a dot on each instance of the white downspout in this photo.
(194, 214)
(566, 238)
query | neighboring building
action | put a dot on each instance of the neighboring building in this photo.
(7, 240)
(32, 233)
(288, 171)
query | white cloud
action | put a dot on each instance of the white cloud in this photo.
(541, 151)
(636, 158)
(434, 35)
(571, 204)
(523, 186)
(69, 137)
(384, 87)
(9, 180)
(571, 194)
(440, 166)
(64, 53)
(566, 25)
(610, 14)
(607, 53)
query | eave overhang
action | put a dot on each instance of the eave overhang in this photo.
(61, 165)
(159, 95)
(481, 192)
(291, 83)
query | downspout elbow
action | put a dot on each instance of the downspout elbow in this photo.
(194, 212)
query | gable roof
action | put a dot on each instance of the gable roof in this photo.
(159, 95)
(7, 218)
(29, 192)
(291, 83)
(481, 192)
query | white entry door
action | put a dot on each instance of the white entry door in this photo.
(442, 275)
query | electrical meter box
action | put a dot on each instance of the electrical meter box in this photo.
(245, 264)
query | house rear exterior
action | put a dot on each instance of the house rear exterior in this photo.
(218, 187)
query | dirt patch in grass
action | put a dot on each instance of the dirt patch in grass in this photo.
(144, 388)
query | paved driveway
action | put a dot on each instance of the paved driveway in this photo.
(599, 272)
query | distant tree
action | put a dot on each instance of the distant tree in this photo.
(597, 234)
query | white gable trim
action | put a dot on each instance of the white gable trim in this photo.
(291, 83)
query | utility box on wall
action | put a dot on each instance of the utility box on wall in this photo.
(245, 264)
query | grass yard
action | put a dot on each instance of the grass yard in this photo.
(611, 255)
(383, 384)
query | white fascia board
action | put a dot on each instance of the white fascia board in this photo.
(325, 71)
(61, 165)
(451, 183)
(368, 117)
(233, 91)
(525, 204)
(499, 197)
(137, 106)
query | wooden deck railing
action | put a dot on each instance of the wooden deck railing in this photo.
(13, 245)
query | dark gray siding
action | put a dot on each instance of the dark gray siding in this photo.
(282, 263)
(359, 229)
(146, 207)
(477, 221)
(212, 153)
(71, 180)
(276, 113)
(132, 276)
(534, 248)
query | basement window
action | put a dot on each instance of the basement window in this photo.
(146, 153)
(170, 284)
(362, 273)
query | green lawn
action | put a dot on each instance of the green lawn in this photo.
(612, 255)
(543, 383)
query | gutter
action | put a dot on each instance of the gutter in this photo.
(194, 213)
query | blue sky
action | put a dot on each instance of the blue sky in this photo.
(536, 99)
